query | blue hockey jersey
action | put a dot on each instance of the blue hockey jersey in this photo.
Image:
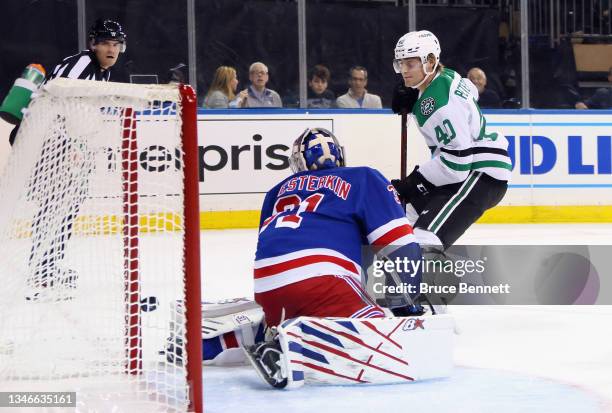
(316, 222)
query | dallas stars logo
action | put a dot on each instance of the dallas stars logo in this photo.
(427, 106)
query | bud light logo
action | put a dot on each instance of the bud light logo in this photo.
(577, 151)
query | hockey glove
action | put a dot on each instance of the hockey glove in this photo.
(413, 186)
(404, 98)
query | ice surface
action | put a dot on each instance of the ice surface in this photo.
(238, 389)
(509, 359)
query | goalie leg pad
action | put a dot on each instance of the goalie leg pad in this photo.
(366, 351)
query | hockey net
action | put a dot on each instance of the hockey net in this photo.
(99, 236)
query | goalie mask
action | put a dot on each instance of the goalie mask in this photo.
(419, 44)
(315, 149)
(107, 30)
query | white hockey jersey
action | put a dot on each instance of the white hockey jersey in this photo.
(450, 119)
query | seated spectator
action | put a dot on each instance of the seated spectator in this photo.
(258, 95)
(222, 90)
(488, 98)
(357, 96)
(319, 96)
(601, 99)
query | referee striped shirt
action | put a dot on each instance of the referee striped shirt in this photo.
(80, 66)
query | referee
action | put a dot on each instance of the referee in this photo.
(106, 40)
(60, 181)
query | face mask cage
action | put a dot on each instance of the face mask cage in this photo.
(298, 163)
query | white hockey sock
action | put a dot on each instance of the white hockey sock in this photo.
(425, 237)
(411, 214)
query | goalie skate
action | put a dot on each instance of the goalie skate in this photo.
(267, 359)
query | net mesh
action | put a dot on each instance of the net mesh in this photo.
(91, 231)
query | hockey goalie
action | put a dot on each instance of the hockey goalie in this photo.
(321, 325)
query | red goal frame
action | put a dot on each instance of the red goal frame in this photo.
(191, 214)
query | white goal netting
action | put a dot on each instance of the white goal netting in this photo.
(92, 248)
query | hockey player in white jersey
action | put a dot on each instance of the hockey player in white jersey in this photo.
(470, 167)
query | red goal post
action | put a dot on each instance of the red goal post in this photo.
(92, 237)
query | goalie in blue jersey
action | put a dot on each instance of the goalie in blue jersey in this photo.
(310, 268)
(314, 225)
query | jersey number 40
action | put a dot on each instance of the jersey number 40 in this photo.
(445, 132)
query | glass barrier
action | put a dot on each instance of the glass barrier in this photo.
(35, 32)
(572, 43)
(478, 42)
(569, 43)
(236, 34)
(156, 38)
(345, 35)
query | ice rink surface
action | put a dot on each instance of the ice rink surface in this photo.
(508, 359)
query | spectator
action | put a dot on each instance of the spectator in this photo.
(258, 95)
(319, 96)
(222, 90)
(601, 99)
(357, 95)
(487, 98)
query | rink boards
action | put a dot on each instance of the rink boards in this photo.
(562, 160)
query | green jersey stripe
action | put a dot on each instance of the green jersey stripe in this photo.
(475, 165)
(465, 188)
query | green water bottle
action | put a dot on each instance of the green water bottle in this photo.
(20, 94)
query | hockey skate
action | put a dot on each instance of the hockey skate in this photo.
(266, 358)
(54, 284)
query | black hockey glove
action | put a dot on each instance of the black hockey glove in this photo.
(412, 186)
(404, 98)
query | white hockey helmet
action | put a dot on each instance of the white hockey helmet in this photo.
(420, 44)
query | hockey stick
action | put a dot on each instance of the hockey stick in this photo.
(392, 278)
(404, 145)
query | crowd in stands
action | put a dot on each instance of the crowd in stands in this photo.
(223, 91)
(601, 99)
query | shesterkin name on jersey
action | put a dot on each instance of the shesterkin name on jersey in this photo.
(312, 183)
